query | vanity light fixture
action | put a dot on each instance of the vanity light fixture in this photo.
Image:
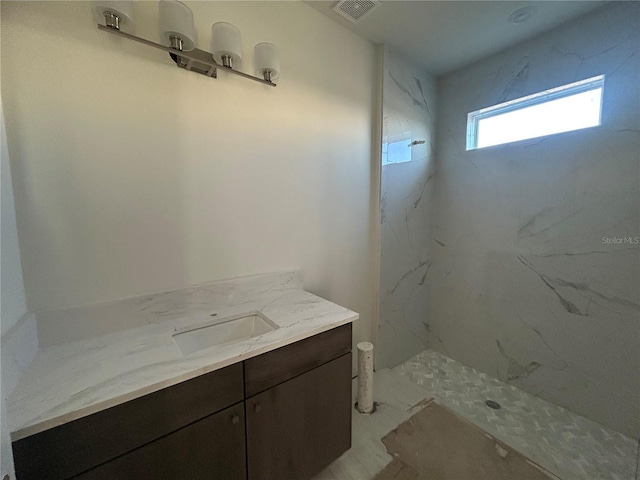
(176, 25)
(178, 32)
(267, 61)
(115, 14)
(226, 44)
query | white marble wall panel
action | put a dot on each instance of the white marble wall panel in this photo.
(408, 115)
(527, 283)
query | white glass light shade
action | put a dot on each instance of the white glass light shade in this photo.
(176, 20)
(266, 59)
(225, 41)
(122, 8)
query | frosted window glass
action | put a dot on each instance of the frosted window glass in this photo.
(562, 109)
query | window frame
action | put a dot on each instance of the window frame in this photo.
(563, 91)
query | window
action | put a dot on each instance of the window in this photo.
(561, 109)
(396, 148)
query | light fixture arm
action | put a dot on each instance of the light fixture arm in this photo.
(194, 60)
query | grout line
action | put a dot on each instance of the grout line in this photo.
(638, 462)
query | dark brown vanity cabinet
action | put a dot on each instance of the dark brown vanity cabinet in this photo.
(299, 427)
(282, 415)
(72, 448)
(299, 407)
(210, 449)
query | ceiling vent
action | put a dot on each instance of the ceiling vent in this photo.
(354, 10)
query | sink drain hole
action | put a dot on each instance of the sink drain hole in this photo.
(492, 404)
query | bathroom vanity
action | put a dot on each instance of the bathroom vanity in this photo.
(276, 405)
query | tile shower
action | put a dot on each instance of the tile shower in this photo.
(501, 258)
(409, 101)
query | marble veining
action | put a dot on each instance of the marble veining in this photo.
(406, 189)
(93, 370)
(584, 292)
(516, 82)
(536, 258)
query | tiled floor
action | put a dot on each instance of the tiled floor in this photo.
(570, 446)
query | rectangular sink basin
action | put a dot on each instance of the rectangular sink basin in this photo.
(234, 329)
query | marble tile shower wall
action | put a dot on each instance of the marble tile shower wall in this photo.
(536, 263)
(408, 116)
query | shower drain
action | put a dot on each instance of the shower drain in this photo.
(492, 404)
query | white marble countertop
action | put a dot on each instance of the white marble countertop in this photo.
(95, 357)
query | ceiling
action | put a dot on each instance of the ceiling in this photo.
(446, 35)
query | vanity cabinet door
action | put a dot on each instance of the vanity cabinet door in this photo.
(299, 427)
(75, 447)
(210, 449)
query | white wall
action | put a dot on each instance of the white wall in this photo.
(409, 100)
(523, 286)
(133, 176)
